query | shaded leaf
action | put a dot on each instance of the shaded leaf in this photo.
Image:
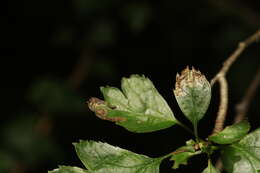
(68, 169)
(193, 93)
(210, 168)
(138, 107)
(231, 133)
(101, 157)
(243, 156)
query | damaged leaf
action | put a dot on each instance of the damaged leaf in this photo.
(184, 153)
(138, 107)
(193, 93)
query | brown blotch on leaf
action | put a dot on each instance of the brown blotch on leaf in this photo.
(98, 106)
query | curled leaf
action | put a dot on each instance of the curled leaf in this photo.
(193, 93)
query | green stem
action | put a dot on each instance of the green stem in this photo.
(195, 125)
(186, 128)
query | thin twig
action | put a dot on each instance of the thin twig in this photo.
(242, 107)
(223, 104)
(220, 77)
(232, 58)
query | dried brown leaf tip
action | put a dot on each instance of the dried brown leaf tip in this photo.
(101, 110)
(189, 78)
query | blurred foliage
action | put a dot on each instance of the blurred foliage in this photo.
(116, 38)
(53, 96)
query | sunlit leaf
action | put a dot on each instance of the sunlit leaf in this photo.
(101, 157)
(138, 107)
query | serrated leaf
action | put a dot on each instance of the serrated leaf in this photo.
(193, 93)
(181, 159)
(101, 157)
(68, 169)
(231, 133)
(183, 154)
(243, 156)
(210, 168)
(138, 107)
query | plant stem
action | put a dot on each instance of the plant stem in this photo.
(221, 78)
(195, 125)
(186, 128)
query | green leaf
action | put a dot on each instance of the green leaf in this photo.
(101, 157)
(138, 107)
(193, 93)
(182, 154)
(243, 156)
(68, 169)
(210, 168)
(231, 133)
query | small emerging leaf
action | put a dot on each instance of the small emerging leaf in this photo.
(101, 157)
(138, 107)
(182, 154)
(193, 93)
(231, 133)
(68, 169)
(243, 156)
(210, 168)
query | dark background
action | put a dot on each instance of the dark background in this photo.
(56, 54)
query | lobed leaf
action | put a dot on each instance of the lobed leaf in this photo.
(138, 107)
(243, 156)
(101, 157)
(231, 133)
(184, 153)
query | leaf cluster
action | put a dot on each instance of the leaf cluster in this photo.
(139, 108)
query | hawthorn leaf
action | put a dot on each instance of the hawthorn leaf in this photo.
(183, 154)
(243, 156)
(210, 168)
(231, 133)
(138, 107)
(68, 169)
(193, 93)
(101, 157)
